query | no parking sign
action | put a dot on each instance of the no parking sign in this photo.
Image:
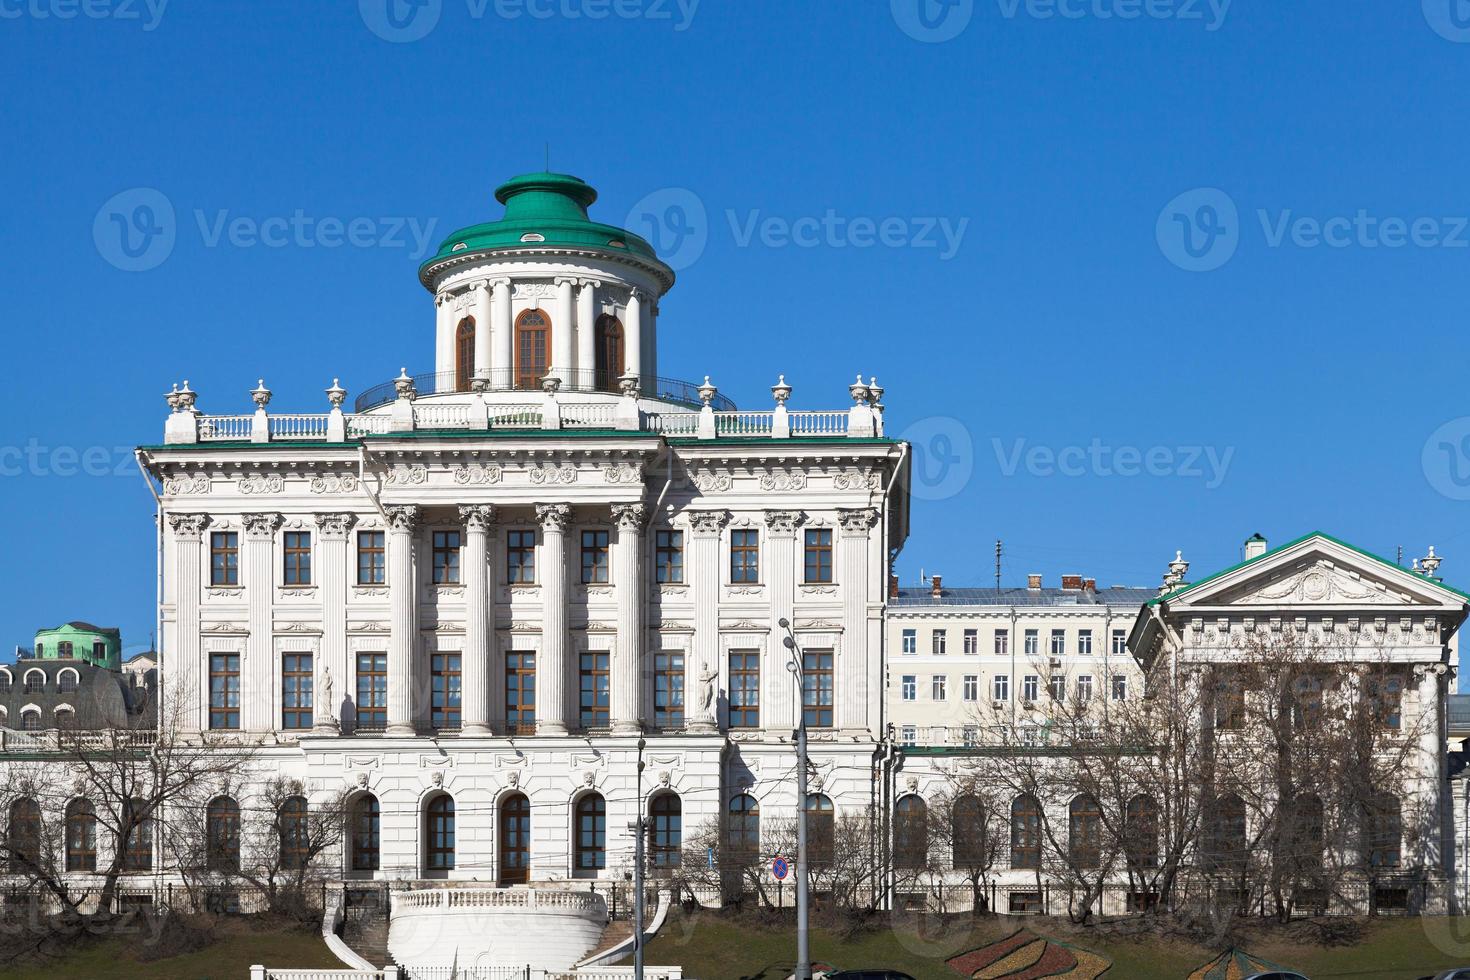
(780, 869)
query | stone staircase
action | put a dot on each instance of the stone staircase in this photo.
(616, 932)
(365, 928)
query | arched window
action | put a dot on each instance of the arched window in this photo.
(1225, 849)
(515, 840)
(441, 833)
(81, 835)
(222, 834)
(533, 349)
(1305, 838)
(743, 830)
(295, 833)
(1229, 705)
(30, 720)
(609, 348)
(591, 835)
(1141, 832)
(821, 830)
(24, 835)
(138, 842)
(1385, 832)
(65, 718)
(6, 679)
(66, 681)
(1025, 833)
(910, 833)
(366, 833)
(464, 354)
(35, 681)
(967, 833)
(667, 830)
(1084, 832)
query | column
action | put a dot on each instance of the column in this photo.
(633, 335)
(852, 694)
(551, 666)
(778, 689)
(1431, 727)
(331, 570)
(444, 334)
(650, 349)
(702, 684)
(479, 640)
(257, 673)
(480, 306)
(403, 626)
(181, 660)
(586, 376)
(501, 361)
(563, 329)
(627, 668)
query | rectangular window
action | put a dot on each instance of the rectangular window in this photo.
(1000, 687)
(909, 735)
(1084, 688)
(372, 563)
(1058, 642)
(1120, 642)
(972, 687)
(745, 688)
(64, 650)
(939, 687)
(595, 697)
(668, 556)
(938, 642)
(1057, 686)
(1033, 643)
(1030, 687)
(224, 558)
(296, 691)
(99, 652)
(520, 693)
(520, 557)
(1120, 687)
(972, 642)
(297, 556)
(910, 642)
(224, 691)
(372, 691)
(909, 684)
(816, 688)
(745, 557)
(818, 556)
(1002, 643)
(446, 557)
(594, 557)
(444, 694)
(1084, 643)
(971, 736)
(668, 690)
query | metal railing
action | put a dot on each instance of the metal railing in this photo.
(449, 382)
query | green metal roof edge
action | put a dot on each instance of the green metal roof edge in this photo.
(508, 434)
(769, 441)
(243, 444)
(1292, 544)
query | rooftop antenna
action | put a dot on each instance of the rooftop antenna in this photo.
(999, 550)
(1401, 556)
(548, 156)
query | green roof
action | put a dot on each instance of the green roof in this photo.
(545, 210)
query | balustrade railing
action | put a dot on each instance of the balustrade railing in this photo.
(298, 426)
(515, 416)
(596, 415)
(441, 416)
(744, 423)
(818, 423)
(221, 428)
(368, 425)
(674, 423)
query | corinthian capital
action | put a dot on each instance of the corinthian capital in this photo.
(857, 521)
(630, 517)
(260, 527)
(784, 521)
(477, 517)
(708, 522)
(404, 517)
(335, 527)
(188, 525)
(554, 517)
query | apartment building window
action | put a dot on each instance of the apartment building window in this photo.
(520, 557)
(972, 687)
(520, 693)
(1120, 687)
(745, 688)
(910, 642)
(939, 642)
(224, 558)
(595, 698)
(372, 563)
(594, 557)
(1120, 642)
(1033, 643)
(444, 694)
(1031, 687)
(668, 556)
(668, 690)
(296, 547)
(972, 642)
(745, 557)
(1084, 688)
(1002, 643)
(296, 691)
(971, 736)
(446, 557)
(816, 688)
(372, 690)
(1058, 642)
(819, 556)
(1084, 642)
(909, 735)
(224, 690)
(1057, 686)
(1000, 687)
(909, 685)
(939, 687)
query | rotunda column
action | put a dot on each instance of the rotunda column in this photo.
(478, 627)
(586, 367)
(502, 364)
(562, 332)
(628, 657)
(481, 307)
(551, 669)
(633, 337)
(402, 603)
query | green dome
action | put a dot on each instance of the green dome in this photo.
(544, 210)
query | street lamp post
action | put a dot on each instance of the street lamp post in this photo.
(803, 909)
(638, 827)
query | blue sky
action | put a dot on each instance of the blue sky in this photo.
(1204, 271)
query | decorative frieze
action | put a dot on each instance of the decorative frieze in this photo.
(783, 480)
(478, 475)
(550, 474)
(856, 479)
(184, 486)
(622, 473)
(345, 483)
(407, 475)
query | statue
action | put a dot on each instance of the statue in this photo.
(327, 700)
(707, 679)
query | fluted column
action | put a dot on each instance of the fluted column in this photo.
(552, 669)
(479, 627)
(851, 694)
(586, 334)
(1431, 728)
(403, 625)
(628, 658)
(480, 304)
(183, 694)
(633, 335)
(501, 358)
(330, 572)
(444, 326)
(780, 574)
(257, 692)
(562, 331)
(703, 568)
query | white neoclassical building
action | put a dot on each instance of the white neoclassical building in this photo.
(482, 597)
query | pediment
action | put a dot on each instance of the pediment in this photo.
(1320, 582)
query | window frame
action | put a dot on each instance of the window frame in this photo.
(372, 557)
(520, 692)
(818, 688)
(745, 556)
(446, 690)
(520, 556)
(817, 556)
(224, 559)
(224, 691)
(596, 556)
(668, 556)
(297, 684)
(668, 688)
(372, 689)
(446, 545)
(594, 679)
(744, 702)
(296, 559)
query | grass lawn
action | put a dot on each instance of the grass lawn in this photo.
(715, 946)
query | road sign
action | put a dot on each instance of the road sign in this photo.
(780, 869)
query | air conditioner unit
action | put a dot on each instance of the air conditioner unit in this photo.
(997, 704)
(1056, 663)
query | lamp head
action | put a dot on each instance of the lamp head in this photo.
(784, 623)
(789, 643)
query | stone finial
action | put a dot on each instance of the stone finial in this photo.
(172, 397)
(187, 398)
(707, 391)
(876, 391)
(404, 385)
(337, 394)
(781, 390)
(629, 384)
(1174, 577)
(261, 395)
(1430, 563)
(551, 384)
(859, 391)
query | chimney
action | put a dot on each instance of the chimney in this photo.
(1072, 583)
(935, 589)
(893, 586)
(1255, 547)
(1033, 582)
(1089, 585)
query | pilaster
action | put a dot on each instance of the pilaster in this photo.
(181, 663)
(552, 669)
(780, 574)
(628, 657)
(257, 690)
(403, 625)
(852, 696)
(479, 620)
(703, 568)
(330, 572)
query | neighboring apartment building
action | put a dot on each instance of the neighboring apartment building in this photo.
(962, 661)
